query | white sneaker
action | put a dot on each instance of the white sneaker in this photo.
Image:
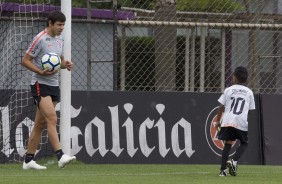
(232, 165)
(33, 165)
(223, 173)
(65, 159)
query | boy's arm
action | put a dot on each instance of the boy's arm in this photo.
(219, 115)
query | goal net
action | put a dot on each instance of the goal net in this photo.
(19, 24)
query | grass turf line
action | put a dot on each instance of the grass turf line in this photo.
(78, 173)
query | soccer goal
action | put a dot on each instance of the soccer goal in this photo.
(20, 22)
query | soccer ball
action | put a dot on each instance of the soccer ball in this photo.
(51, 62)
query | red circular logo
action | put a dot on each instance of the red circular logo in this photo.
(211, 132)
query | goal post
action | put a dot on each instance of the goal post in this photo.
(65, 114)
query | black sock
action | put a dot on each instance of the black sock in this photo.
(28, 157)
(239, 152)
(59, 153)
(224, 157)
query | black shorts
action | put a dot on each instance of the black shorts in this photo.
(42, 90)
(231, 134)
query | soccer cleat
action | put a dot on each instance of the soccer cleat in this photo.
(65, 159)
(33, 165)
(232, 166)
(223, 173)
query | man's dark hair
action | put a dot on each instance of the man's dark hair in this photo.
(241, 74)
(55, 16)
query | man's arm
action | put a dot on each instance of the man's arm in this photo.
(27, 63)
(66, 64)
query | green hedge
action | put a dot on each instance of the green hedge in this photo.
(140, 66)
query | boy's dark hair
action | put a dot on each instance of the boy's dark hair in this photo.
(241, 74)
(55, 16)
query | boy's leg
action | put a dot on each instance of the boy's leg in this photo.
(240, 150)
(225, 154)
(243, 137)
(232, 163)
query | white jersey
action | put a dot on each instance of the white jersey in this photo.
(237, 100)
(43, 44)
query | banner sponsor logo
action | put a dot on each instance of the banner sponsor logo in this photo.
(169, 137)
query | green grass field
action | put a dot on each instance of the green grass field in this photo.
(78, 173)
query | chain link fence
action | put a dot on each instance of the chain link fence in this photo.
(194, 45)
(184, 45)
(167, 45)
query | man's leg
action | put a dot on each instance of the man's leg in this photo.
(34, 141)
(47, 108)
(35, 136)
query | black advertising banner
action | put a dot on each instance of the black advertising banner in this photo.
(134, 127)
(151, 127)
(272, 115)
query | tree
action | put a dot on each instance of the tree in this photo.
(165, 46)
(214, 6)
(166, 37)
(252, 49)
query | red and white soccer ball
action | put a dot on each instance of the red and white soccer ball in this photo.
(51, 62)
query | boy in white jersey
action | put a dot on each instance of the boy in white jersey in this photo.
(235, 103)
(45, 89)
